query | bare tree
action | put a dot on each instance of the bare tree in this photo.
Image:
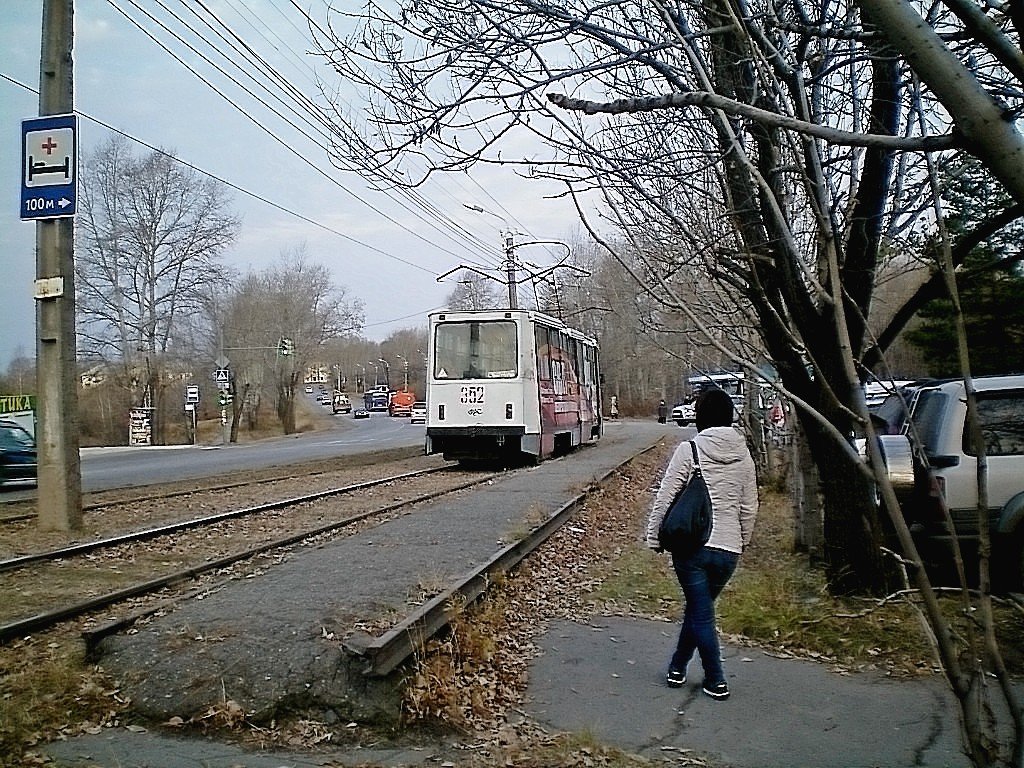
(474, 290)
(20, 374)
(277, 321)
(151, 233)
(778, 153)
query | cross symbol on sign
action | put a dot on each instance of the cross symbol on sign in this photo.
(49, 146)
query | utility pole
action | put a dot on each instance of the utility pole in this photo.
(510, 266)
(60, 480)
(508, 243)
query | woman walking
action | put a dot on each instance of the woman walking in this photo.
(732, 484)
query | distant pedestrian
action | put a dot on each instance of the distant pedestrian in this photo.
(732, 484)
(615, 407)
(662, 412)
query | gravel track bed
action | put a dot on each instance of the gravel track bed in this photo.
(480, 696)
(44, 586)
(111, 513)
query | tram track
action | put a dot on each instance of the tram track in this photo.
(22, 561)
(384, 653)
(162, 492)
(380, 654)
(87, 567)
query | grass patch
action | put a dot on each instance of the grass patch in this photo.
(787, 608)
(779, 601)
(639, 579)
(48, 692)
(452, 681)
(569, 749)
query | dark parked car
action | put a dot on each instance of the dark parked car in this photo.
(17, 453)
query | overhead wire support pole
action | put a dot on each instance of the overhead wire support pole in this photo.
(509, 248)
(59, 473)
(510, 266)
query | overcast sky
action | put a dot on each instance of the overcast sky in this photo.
(378, 251)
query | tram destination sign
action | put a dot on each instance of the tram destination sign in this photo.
(49, 147)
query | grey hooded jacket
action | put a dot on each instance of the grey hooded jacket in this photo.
(732, 483)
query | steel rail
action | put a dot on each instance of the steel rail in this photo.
(18, 518)
(156, 495)
(385, 653)
(49, 618)
(163, 530)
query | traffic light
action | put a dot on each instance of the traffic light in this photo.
(224, 399)
(285, 347)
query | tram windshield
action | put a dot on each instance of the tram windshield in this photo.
(476, 350)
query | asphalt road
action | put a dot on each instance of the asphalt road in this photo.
(123, 467)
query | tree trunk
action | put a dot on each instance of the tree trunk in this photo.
(852, 545)
(237, 406)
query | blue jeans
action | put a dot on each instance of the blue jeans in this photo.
(702, 576)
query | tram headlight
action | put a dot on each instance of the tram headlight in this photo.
(508, 411)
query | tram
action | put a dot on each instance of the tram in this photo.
(509, 385)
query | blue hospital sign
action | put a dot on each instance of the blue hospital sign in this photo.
(49, 160)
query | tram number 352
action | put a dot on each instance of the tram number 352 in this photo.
(471, 395)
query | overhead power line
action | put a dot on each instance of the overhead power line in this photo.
(225, 182)
(321, 126)
(304, 109)
(257, 123)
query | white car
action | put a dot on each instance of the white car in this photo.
(419, 413)
(939, 419)
(682, 414)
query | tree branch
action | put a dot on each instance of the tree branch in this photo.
(738, 109)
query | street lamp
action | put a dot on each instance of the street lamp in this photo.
(387, 372)
(405, 371)
(426, 367)
(360, 378)
(376, 374)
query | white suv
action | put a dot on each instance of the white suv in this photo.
(940, 425)
(682, 414)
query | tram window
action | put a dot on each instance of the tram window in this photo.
(476, 350)
(588, 364)
(540, 343)
(575, 364)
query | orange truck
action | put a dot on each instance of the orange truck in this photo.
(401, 403)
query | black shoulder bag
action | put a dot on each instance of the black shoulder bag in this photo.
(686, 526)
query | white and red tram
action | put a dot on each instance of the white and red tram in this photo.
(509, 385)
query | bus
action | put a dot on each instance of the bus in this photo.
(377, 399)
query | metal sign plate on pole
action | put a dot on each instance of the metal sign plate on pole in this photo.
(49, 179)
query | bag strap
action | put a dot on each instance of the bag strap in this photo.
(696, 458)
